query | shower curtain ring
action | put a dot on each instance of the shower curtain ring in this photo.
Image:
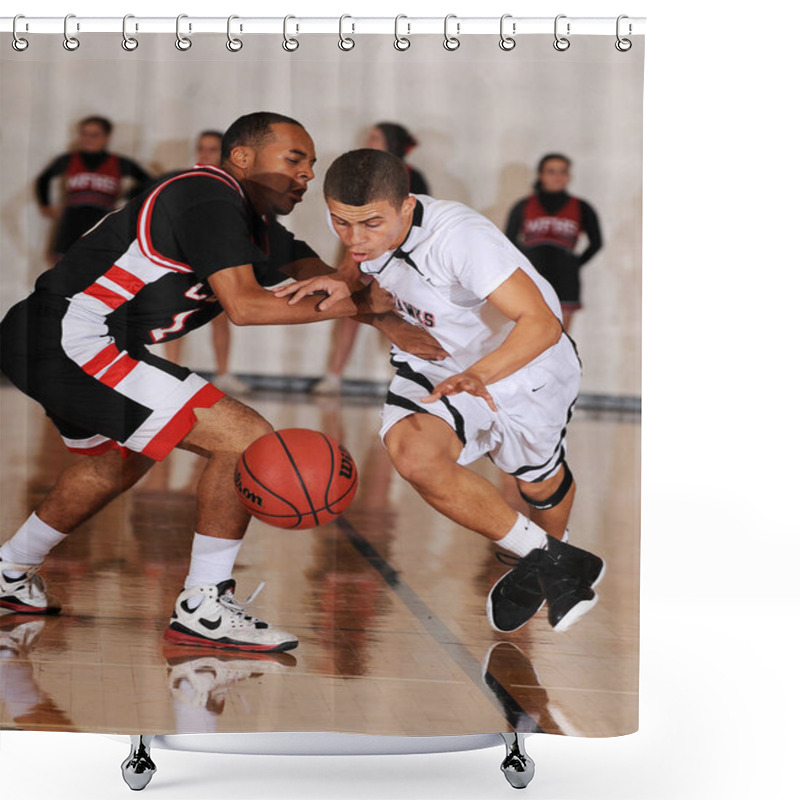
(561, 43)
(70, 43)
(233, 44)
(18, 43)
(129, 43)
(346, 42)
(507, 42)
(182, 42)
(623, 45)
(451, 42)
(401, 42)
(289, 44)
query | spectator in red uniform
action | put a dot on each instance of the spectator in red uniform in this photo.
(546, 227)
(92, 184)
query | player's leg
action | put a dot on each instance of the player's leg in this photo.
(343, 339)
(80, 492)
(424, 450)
(206, 612)
(550, 500)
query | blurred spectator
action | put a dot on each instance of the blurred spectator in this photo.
(92, 185)
(546, 227)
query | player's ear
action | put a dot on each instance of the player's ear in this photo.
(241, 156)
(409, 204)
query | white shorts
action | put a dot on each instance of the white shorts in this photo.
(525, 437)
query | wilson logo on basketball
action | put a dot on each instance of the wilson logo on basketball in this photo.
(346, 466)
(251, 497)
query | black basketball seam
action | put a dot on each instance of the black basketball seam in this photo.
(330, 472)
(299, 476)
(297, 512)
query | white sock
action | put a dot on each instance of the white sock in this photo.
(212, 561)
(30, 544)
(525, 536)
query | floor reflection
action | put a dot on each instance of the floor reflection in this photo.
(388, 604)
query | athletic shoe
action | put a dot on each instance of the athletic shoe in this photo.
(589, 567)
(220, 621)
(568, 595)
(27, 593)
(230, 384)
(330, 384)
(561, 574)
(518, 595)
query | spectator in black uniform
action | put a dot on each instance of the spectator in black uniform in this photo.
(92, 184)
(397, 140)
(199, 243)
(546, 227)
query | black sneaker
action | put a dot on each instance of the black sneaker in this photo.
(587, 566)
(518, 595)
(568, 595)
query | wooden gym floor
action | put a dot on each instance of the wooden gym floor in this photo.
(388, 603)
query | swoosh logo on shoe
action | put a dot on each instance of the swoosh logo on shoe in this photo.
(212, 626)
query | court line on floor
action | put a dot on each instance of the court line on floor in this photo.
(440, 633)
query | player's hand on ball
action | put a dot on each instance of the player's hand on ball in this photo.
(463, 382)
(334, 287)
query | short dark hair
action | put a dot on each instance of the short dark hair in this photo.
(215, 134)
(399, 141)
(252, 130)
(367, 176)
(103, 122)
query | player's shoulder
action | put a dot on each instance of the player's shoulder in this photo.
(199, 185)
(443, 215)
(451, 221)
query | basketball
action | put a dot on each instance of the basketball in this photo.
(296, 478)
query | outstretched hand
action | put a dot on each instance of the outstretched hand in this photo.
(335, 288)
(463, 382)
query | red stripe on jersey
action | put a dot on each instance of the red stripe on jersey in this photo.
(99, 449)
(180, 424)
(118, 370)
(101, 360)
(105, 295)
(146, 215)
(127, 280)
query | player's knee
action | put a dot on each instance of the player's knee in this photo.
(416, 462)
(548, 493)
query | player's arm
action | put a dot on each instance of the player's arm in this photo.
(246, 302)
(42, 188)
(535, 330)
(410, 338)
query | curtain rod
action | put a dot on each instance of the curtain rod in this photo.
(402, 25)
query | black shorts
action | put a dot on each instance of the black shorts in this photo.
(560, 269)
(120, 399)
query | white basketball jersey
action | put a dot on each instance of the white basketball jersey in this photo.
(452, 259)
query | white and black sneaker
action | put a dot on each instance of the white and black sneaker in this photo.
(25, 593)
(220, 621)
(560, 574)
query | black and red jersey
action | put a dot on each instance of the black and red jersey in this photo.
(141, 275)
(99, 187)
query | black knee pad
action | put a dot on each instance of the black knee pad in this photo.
(557, 496)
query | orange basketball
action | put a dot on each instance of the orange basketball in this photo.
(296, 478)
